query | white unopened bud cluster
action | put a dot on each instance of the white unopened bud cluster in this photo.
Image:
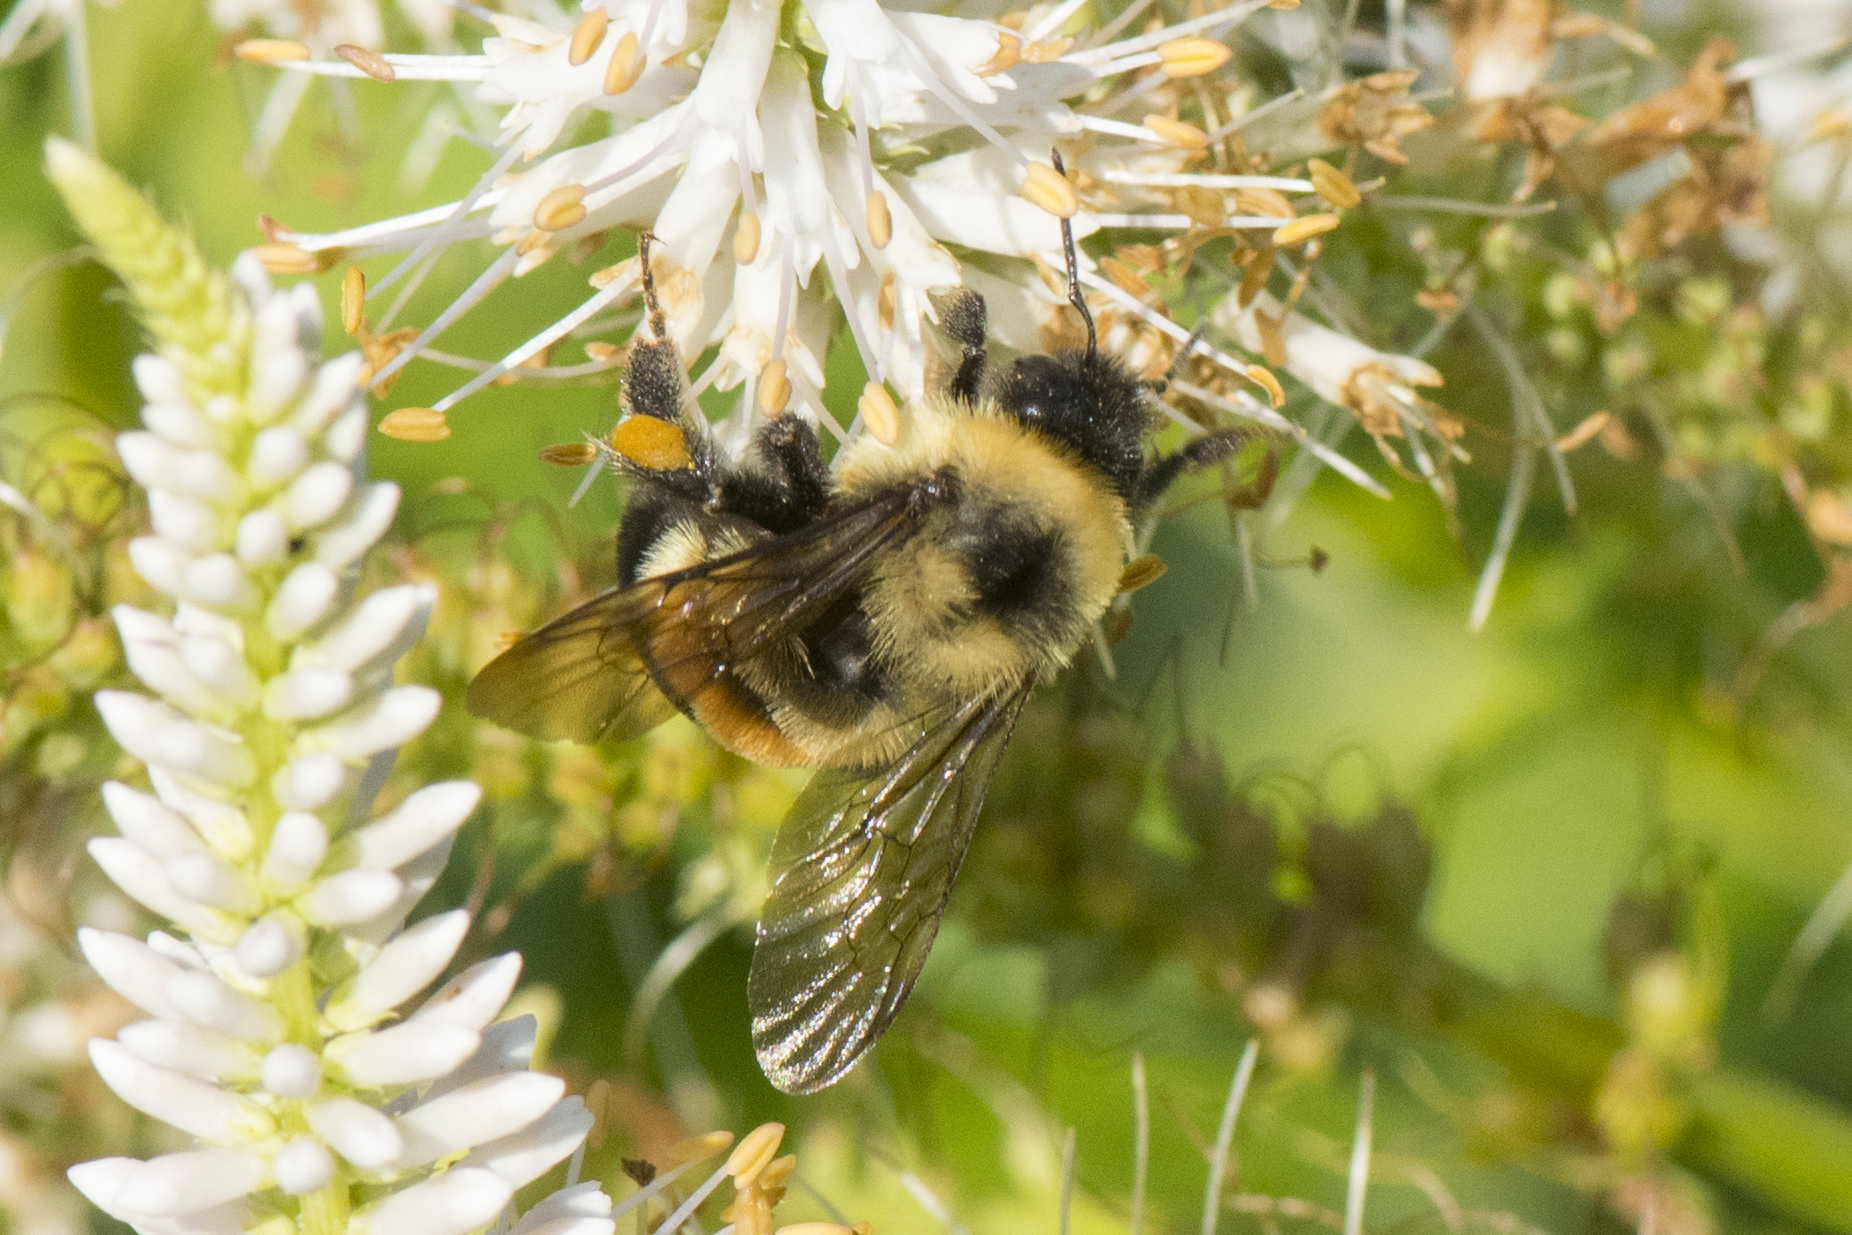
(277, 1029)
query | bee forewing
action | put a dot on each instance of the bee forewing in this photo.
(860, 874)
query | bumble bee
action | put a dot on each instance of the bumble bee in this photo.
(882, 620)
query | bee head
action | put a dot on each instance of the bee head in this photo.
(1084, 400)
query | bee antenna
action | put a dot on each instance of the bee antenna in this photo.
(1073, 269)
(658, 322)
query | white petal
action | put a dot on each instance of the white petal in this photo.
(191, 1105)
(302, 1166)
(317, 495)
(477, 1113)
(130, 968)
(405, 1053)
(152, 648)
(205, 1000)
(526, 1155)
(158, 380)
(307, 694)
(182, 1183)
(277, 455)
(298, 844)
(450, 1204)
(405, 966)
(507, 1047)
(379, 630)
(334, 387)
(292, 1071)
(131, 868)
(372, 514)
(99, 1181)
(350, 896)
(308, 782)
(394, 719)
(357, 1132)
(149, 460)
(178, 424)
(419, 822)
(347, 436)
(217, 581)
(221, 666)
(474, 996)
(182, 1047)
(149, 822)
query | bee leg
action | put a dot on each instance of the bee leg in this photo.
(1210, 448)
(790, 485)
(962, 317)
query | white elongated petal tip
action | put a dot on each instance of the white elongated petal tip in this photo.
(459, 1200)
(357, 1132)
(182, 1183)
(419, 822)
(191, 1105)
(402, 1054)
(405, 966)
(474, 996)
(349, 897)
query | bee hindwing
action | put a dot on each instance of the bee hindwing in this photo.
(860, 874)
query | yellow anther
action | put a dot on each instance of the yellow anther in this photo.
(1254, 278)
(884, 301)
(1263, 377)
(1268, 202)
(561, 208)
(695, 1148)
(1049, 189)
(1192, 56)
(586, 36)
(1300, 230)
(1177, 133)
(1141, 572)
(285, 258)
(1009, 51)
(754, 1153)
(746, 239)
(271, 51)
(415, 424)
(880, 223)
(879, 413)
(774, 388)
(1333, 185)
(353, 300)
(369, 62)
(625, 66)
(569, 454)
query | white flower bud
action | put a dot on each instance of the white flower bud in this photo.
(405, 966)
(395, 718)
(220, 665)
(210, 881)
(156, 734)
(158, 380)
(422, 820)
(190, 1105)
(274, 382)
(247, 271)
(302, 600)
(333, 391)
(347, 435)
(303, 1166)
(277, 455)
(185, 1182)
(192, 525)
(269, 946)
(476, 1113)
(99, 1181)
(203, 474)
(182, 1047)
(262, 538)
(178, 424)
(149, 460)
(149, 822)
(298, 844)
(317, 495)
(449, 1204)
(161, 562)
(225, 829)
(524, 1156)
(357, 1132)
(474, 996)
(351, 896)
(292, 1071)
(131, 968)
(308, 783)
(379, 630)
(403, 1054)
(579, 1202)
(218, 582)
(372, 514)
(223, 409)
(133, 870)
(307, 694)
(307, 303)
(151, 648)
(205, 1000)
